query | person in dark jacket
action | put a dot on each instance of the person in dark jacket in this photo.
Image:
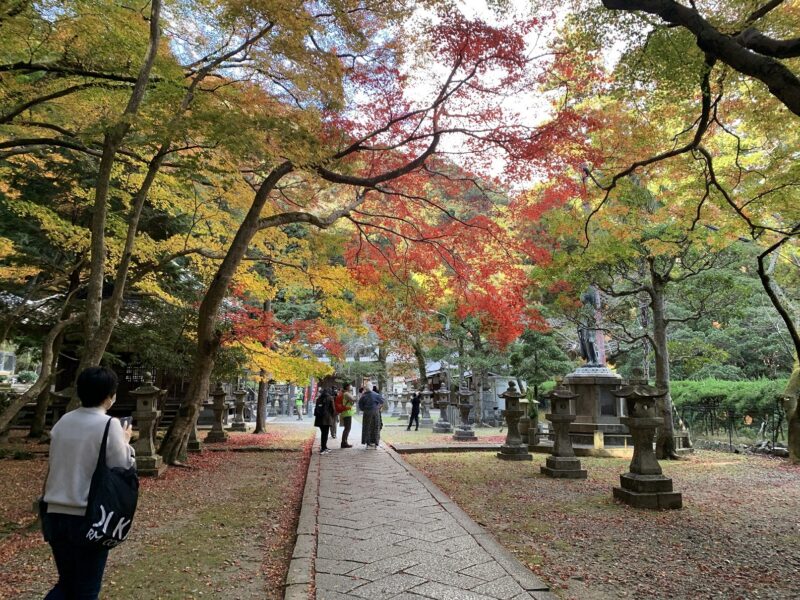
(371, 404)
(324, 418)
(416, 399)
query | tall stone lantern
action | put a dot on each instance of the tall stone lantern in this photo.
(464, 432)
(239, 424)
(217, 433)
(148, 461)
(403, 416)
(425, 408)
(562, 462)
(645, 485)
(442, 402)
(513, 449)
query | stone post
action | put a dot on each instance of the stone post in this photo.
(425, 418)
(442, 402)
(513, 449)
(562, 462)
(645, 485)
(239, 424)
(217, 433)
(148, 461)
(395, 405)
(464, 432)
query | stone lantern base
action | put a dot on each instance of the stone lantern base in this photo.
(514, 453)
(647, 491)
(563, 467)
(150, 466)
(465, 435)
(214, 437)
(194, 446)
(238, 426)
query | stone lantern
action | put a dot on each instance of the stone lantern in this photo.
(562, 462)
(442, 402)
(148, 461)
(217, 433)
(513, 449)
(464, 432)
(239, 424)
(645, 486)
(403, 416)
(425, 404)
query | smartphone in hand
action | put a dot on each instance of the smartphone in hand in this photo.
(126, 422)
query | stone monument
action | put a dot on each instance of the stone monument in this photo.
(442, 403)
(562, 463)
(513, 449)
(148, 461)
(217, 433)
(645, 485)
(238, 424)
(596, 407)
(464, 432)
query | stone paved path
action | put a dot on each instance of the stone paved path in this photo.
(384, 531)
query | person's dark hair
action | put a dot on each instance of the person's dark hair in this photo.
(375, 388)
(95, 384)
(361, 390)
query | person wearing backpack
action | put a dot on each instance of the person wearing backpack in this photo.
(346, 408)
(75, 444)
(324, 418)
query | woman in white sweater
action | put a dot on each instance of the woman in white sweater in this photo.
(74, 449)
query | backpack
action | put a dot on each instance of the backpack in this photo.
(338, 403)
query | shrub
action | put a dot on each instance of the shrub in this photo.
(27, 376)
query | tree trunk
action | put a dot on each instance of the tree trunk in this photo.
(665, 442)
(382, 372)
(421, 366)
(43, 400)
(261, 404)
(791, 406)
(43, 382)
(94, 329)
(173, 448)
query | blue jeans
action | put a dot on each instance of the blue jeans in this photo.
(80, 565)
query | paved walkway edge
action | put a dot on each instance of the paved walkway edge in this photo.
(300, 576)
(527, 580)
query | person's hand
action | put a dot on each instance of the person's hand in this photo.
(127, 431)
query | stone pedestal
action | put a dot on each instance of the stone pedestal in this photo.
(395, 407)
(513, 449)
(562, 463)
(217, 433)
(442, 403)
(238, 424)
(425, 409)
(645, 486)
(148, 462)
(464, 432)
(595, 406)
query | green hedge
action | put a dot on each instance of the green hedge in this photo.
(742, 396)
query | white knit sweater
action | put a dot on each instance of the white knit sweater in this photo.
(74, 449)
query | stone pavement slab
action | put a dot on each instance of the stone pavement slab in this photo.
(386, 532)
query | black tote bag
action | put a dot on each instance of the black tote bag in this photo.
(113, 495)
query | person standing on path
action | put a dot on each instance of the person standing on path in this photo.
(347, 414)
(75, 443)
(371, 403)
(416, 399)
(298, 405)
(324, 418)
